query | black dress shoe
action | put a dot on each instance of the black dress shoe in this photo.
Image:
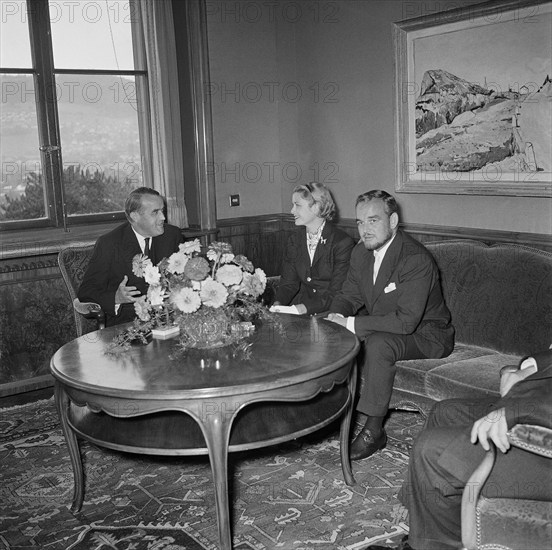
(403, 545)
(365, 444)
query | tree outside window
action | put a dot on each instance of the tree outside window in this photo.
(74, 124)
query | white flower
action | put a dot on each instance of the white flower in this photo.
(229, 275)
(190, 247)
(139, 264)
(262, 276)
(152, 275)
(186, 299)
(213, 293)
(177, 262)
(156, 295)
(244, 263)
(226, 258)
(217, 250)
(252, 285)
(141, 307)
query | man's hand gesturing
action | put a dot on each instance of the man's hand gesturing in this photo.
(126, 294)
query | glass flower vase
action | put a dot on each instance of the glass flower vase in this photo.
(206, 328)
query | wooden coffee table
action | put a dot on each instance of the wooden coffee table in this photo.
(293, 383)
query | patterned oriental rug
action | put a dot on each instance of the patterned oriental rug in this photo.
(290, 496)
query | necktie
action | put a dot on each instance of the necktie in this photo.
(147, 247)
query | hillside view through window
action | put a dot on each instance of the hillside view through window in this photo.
(70, 131)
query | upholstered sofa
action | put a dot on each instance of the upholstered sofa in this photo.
(500, 298)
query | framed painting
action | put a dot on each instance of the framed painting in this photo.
(473, 94)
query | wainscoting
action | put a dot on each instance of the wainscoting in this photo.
(35, 312)
(36, 318)
(262, 238)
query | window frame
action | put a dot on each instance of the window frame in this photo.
(51, 155)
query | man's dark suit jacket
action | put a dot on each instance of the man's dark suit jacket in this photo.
(443, 458)
(406, 298)
(314, 285)
(112, 260)
(530, 400)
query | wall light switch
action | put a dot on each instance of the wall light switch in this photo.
(234, 200)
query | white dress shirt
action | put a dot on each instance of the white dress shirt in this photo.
(378, 258)
(141, 240)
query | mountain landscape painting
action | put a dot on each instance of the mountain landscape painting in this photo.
(475, 101)
(462, 126)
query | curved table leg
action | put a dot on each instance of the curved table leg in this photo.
(216, 430)
(62, 405)
(346, 428)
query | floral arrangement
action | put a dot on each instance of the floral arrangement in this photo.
(212, 298)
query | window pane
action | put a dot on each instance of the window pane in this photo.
(100, 141)
(92, 35)
(21, 185)
(15, 49)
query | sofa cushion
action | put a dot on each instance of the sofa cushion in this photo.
(467, 377)
(500, 296)
(469, 371)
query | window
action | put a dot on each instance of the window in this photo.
(73, 111)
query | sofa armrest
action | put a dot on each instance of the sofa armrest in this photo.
(532, 438)
(470, 497)
(536, 439)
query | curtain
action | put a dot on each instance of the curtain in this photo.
(166, 139)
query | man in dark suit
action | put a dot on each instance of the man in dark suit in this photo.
(445, 455)
(396, 280)
(109, 280)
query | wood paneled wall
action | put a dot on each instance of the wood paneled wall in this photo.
(36, 313)
(262, 238)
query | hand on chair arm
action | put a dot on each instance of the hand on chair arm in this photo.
(492, 426)
(90, 310)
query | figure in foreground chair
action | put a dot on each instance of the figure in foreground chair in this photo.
(317, 256)
(455, 441)
(396, 280)
(108, 280)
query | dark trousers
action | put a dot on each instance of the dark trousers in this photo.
(441, 462)
(381, 350)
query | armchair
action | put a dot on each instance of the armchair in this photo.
(508, 523)
(73, 262)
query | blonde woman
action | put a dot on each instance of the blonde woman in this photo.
(317, 254)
